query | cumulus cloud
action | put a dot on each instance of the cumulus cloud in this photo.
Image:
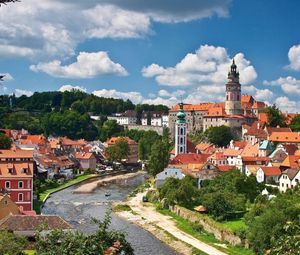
(287, 105)
(136, 97)
(289, 84)
(20, 92)
(52, 29)
(88, 65)
(208, 65)
(71, 88)
(294, 57)
(258, 94)
(177, 93)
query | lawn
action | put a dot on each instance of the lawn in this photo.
(46, 193)
(29, 252)
(235, 225)
(196, 231)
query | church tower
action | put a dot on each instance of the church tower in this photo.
(180, 132)
(233, 92)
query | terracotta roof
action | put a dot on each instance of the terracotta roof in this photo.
(84, 155)
(253, 168)
(262, 116)
(225, 168)
(257, 130)
(197, 107)
(291, 161)
(16, 154)
(19, 169)
(250, 150)
(290, 117)
(271, 170)
(292, 137)
(188, 158)
(240, 144)
(249, 159)
(247, 99)
(218, 155)
(32, 139)
(113, 140)
(232, 152)
(68, 142)
(32, 223)
(203, 146)
(290, 148)
(270, 130)
(215, 112)
(297, 153)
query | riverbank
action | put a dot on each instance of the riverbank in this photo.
(45, 194)
(92, 186)
(146, 216)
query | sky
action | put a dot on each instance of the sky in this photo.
(157, 52)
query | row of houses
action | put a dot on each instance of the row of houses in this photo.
(272, 155)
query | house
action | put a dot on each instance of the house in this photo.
(291, 161)
(231, 156)
(285, 137)
(206, 171)
(251, 169)
(126, 118)
(282, 151)
(87, 160)
(28, 225)
(289, 179)
(69, 145)
(132, 156)
(189, 158)
(166, 173)
(16, 176)
(7, 206)
(268, 174)
(30, 142)
(218, 158)
(265, 148)
(205, 148)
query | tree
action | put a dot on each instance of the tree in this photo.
(289, 241)
(101, 242)
(295, 124)
(118, 151)
(220, 136)
(5, 142)
(11, 244)
(275, 117)
(109, 128)
(159, 156)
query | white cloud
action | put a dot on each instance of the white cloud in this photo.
(164, 101)
(289, 84)
(71, 88)
(7, 76)
(135, 97)
(177, 93)
(88, 65)
(50, 29)
(208, 65)
(287, 105)
(294, 57)
(20, 92)
(258, 94)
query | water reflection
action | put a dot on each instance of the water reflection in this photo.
(78, 209)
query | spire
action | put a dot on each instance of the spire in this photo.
(180, 114)
(233, 70)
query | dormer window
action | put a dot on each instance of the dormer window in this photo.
(10, 170)
(24, 170)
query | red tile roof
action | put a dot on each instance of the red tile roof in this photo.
(292, 137)
(16, 154)
(189, 158)
(271, 170)
(225, 168)
(113, 140)
(84, 155)
(197, 107)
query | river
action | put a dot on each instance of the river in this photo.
(78, 209)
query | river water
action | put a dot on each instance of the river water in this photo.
(78, 209)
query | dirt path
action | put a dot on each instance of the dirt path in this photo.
(148, 214)
(91, 186)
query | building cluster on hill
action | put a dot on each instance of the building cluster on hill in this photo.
(271, 154)
(34, 157)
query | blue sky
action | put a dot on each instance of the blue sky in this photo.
(153, 51)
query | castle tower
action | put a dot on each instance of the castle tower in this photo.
(180, 132)
(233, 92)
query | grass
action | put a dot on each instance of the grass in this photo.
(37, 203)
(29, 252)
(235, 225)
(121, 208)
(196, 231)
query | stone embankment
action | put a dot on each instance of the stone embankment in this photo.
(92, 186)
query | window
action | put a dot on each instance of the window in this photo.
(20, 197)
(7, 184)
(10, 170)
(20, 185)
(24, 170)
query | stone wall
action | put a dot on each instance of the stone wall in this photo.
(220, 234)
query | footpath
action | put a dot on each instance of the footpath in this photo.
(145, 215)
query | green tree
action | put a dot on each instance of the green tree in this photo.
(79, 107)
(295, 124)
(220, 136)
(109, 128)
(118, 151)
(289, 241)
(5, 142)
(275, 117)
(65, 243)
(11, 244)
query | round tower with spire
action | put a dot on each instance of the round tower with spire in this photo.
(180, 132)
(233, 92)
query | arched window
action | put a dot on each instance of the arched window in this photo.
(7, 184)
(20, 197)
(20, 185)
(181, 131)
